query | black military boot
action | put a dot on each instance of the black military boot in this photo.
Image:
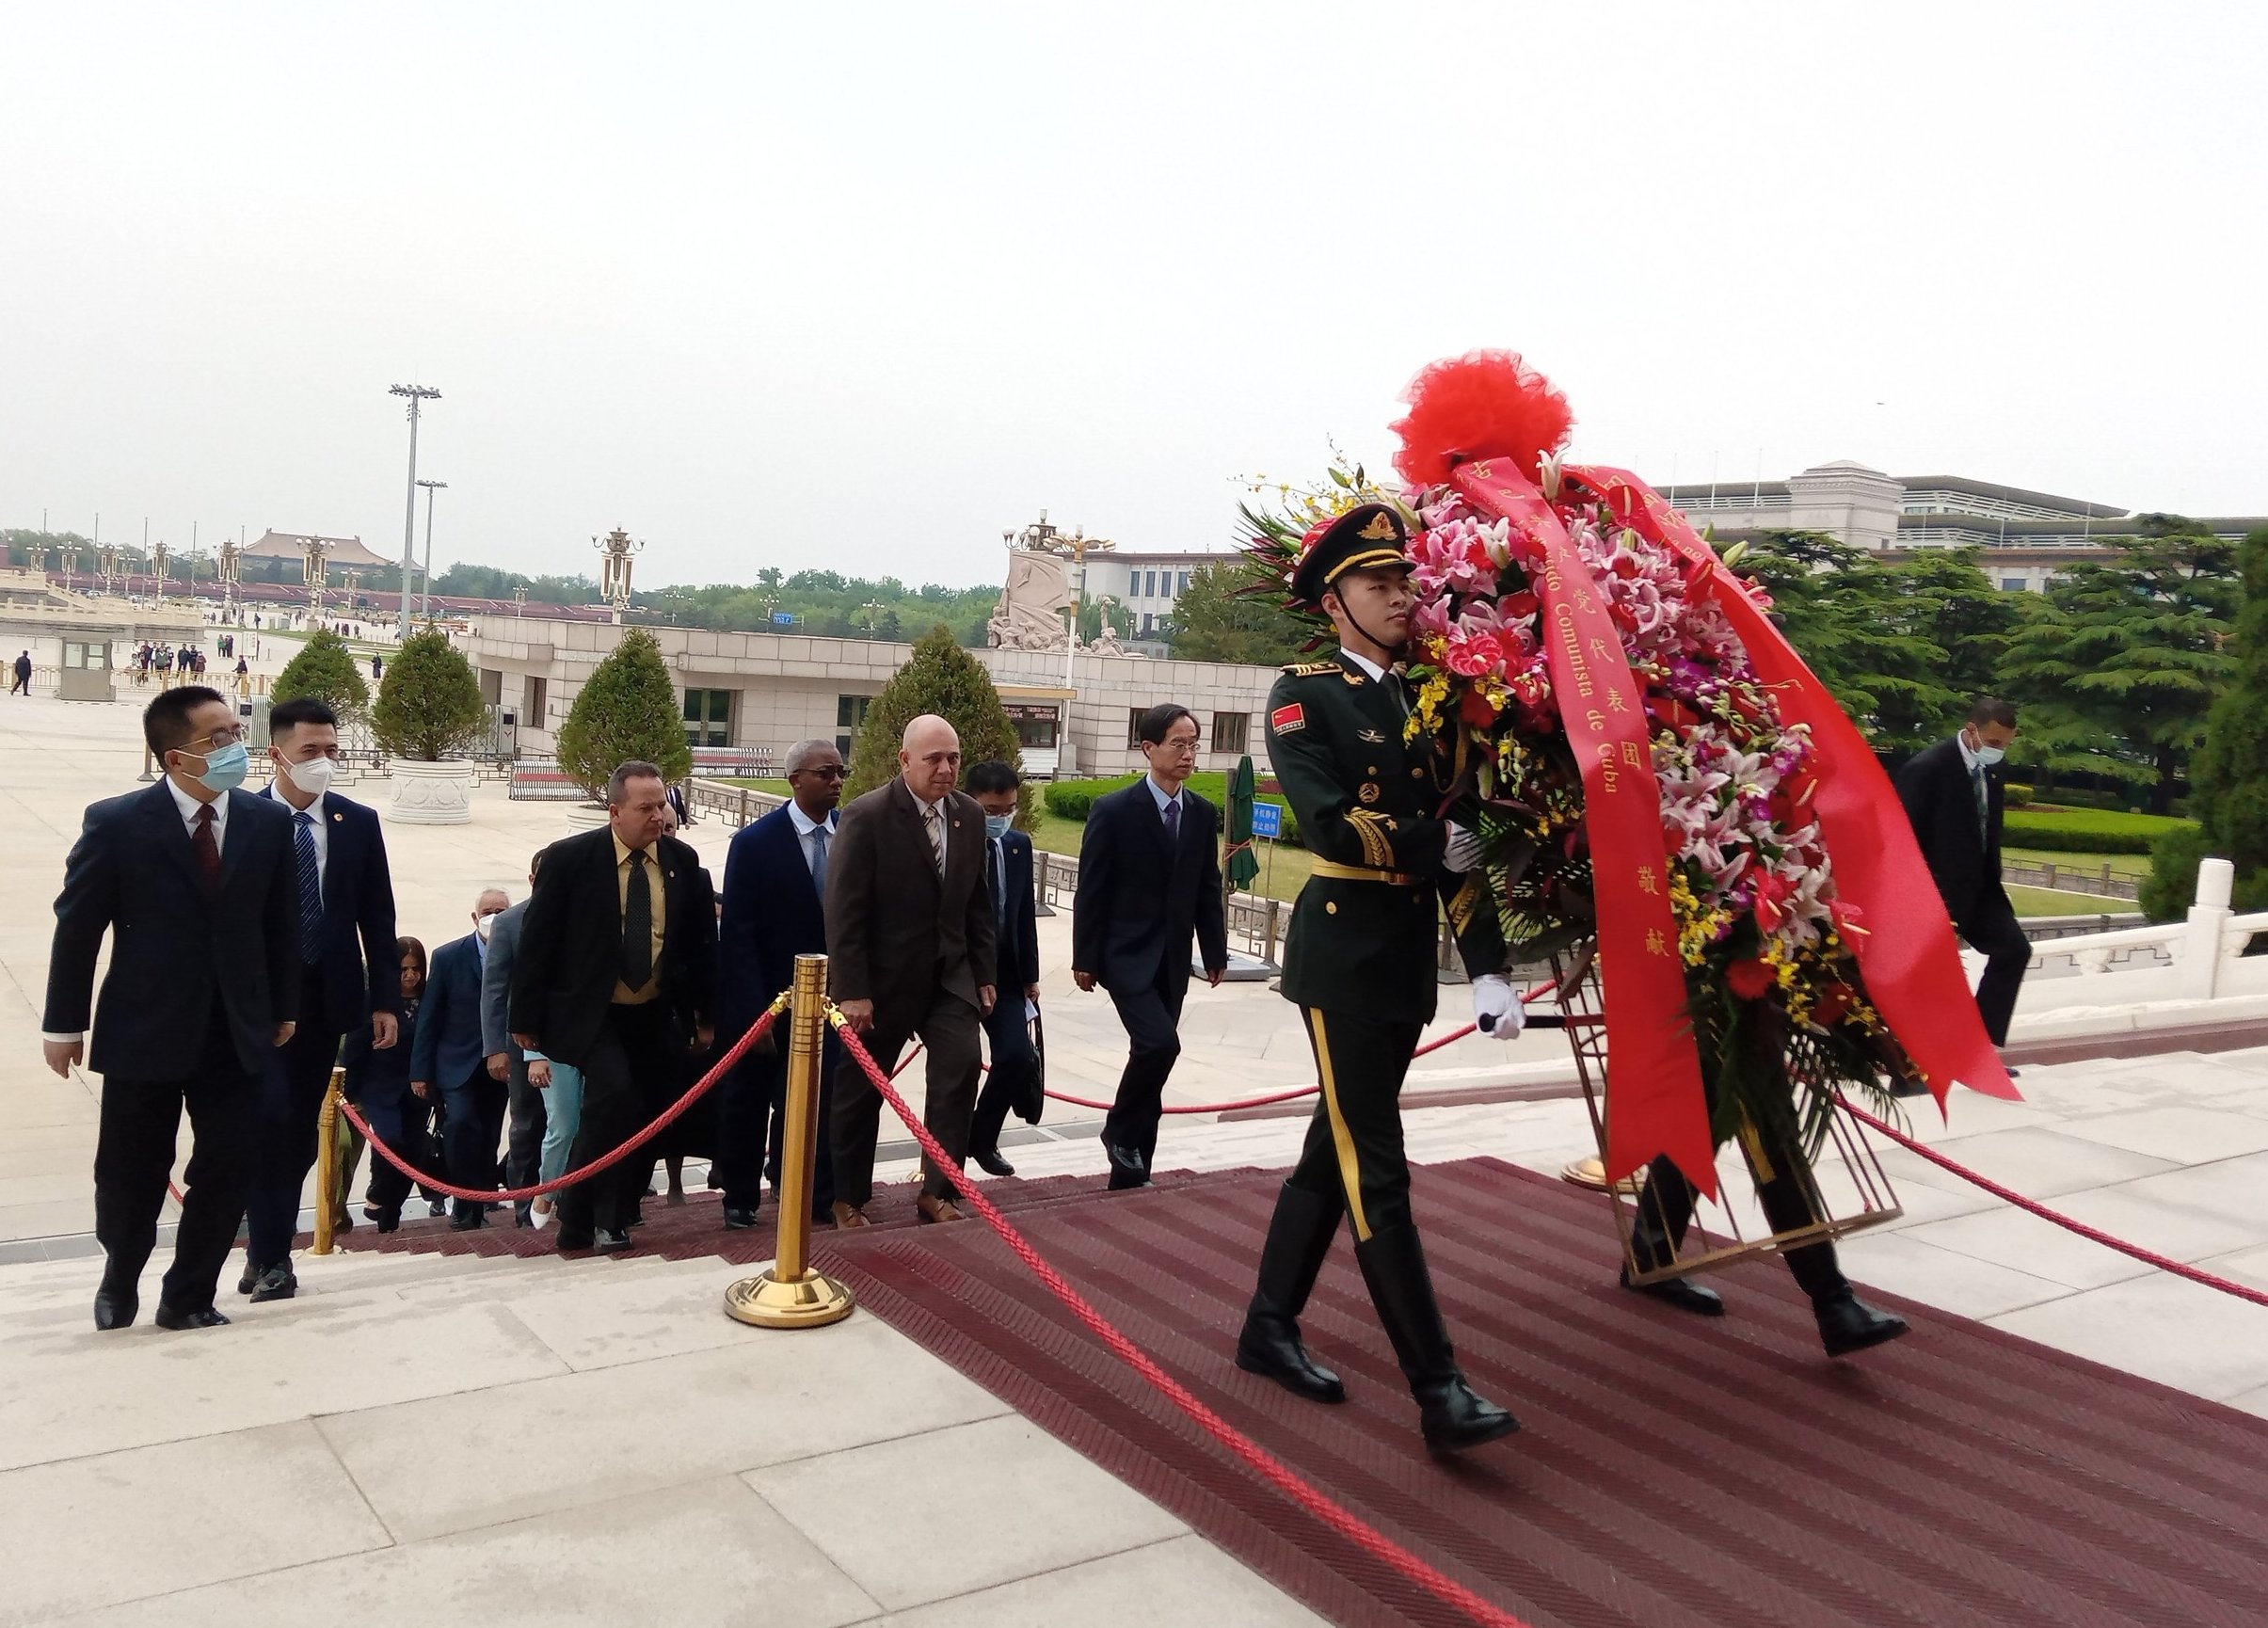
(1665, 1209)
(1298, 1238)
(1450, 1414)
(1847, 1323)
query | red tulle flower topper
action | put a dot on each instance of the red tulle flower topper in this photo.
(1486, 403)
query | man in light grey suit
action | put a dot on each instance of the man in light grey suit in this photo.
(523, 1146)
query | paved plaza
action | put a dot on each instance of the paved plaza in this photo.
(504, 1441)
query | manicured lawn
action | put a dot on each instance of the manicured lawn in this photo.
(2127, 864)
(2044, 901)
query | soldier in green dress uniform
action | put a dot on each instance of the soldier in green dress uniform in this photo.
(1360, 963)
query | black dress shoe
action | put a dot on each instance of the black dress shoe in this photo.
(372, 1213)
(1847, 1324)
(387, 1220)
(473, 1218)
(115, 1308)
(279, 1283)
(250, 1280)
(1128, 1168)
(610, 1243)
(519, 1212)
(739, 1221)
(437, 1207)
(570, 1241)
(171, 1317)
(991, 1163)
(1682, 1293)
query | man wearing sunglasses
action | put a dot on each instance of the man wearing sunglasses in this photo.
(775, 881)
(194, 881)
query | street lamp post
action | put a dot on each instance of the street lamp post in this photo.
(425, 588)
(419, 396)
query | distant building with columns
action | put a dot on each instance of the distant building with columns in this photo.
(2026, 536)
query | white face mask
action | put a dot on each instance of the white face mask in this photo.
(482, 924)
(1989, 755)
(312, 776)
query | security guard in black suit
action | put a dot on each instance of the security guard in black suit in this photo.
(1360, 963)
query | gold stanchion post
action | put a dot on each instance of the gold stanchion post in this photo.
(326, 1165)
(790, 1295)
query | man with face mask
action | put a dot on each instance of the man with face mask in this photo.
(1015, 1079)
(1953, 794)
(193, 879)
(451, 1058)
(345, 894)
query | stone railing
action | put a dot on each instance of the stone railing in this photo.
(2095, 879)
(2200, 959)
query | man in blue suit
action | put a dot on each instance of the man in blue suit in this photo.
(348, 976)
(193, 880)
(775, 876)
(1014, 1080)
(451, 1058)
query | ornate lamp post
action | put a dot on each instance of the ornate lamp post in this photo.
(159, 559)
(519, 602)
(226, 567)
(315, 566)
(107, 563)
(619, 552)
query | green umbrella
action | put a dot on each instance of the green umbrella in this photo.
(1243, 864)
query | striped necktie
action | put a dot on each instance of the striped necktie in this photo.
(311, 888)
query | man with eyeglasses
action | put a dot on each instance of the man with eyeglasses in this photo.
(775, 886)
(1149, 887)
(193, 879)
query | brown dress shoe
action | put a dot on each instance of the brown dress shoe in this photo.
(933, 1208)
(850, 1215)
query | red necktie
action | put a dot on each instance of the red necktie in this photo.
(208, 848)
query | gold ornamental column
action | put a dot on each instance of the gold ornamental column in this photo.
(790, 1295)
(327, 1164)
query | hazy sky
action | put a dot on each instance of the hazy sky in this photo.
(863, 286)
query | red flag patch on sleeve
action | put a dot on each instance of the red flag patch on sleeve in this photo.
(1283, 720)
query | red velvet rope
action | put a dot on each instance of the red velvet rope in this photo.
(757, 1032)
(1332, 1513)
(2069, 1224)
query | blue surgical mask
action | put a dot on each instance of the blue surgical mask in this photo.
(995, 825)
(226, 767)
(1989, 755)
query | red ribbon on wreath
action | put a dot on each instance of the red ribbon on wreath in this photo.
(1907, 954)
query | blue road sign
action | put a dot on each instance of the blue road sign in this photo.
(1267, 819)
(784, 618)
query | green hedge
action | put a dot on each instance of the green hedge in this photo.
(1074, 799)
(2088, 830)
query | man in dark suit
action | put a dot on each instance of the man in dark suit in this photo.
(348, 976)
(450, 1059)
(505, 1061)
(910, 948)
(1015, 1079)
(617, 973)
(1953, 794)
(775, 878)
(1149, 882)
(194, 880)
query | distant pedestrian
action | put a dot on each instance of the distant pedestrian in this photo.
(23, 684)
(377, 666)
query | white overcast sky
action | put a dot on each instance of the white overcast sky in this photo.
(863, 286)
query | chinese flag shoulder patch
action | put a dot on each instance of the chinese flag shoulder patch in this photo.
(1285, 719)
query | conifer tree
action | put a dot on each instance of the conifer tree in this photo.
(429, 703)
(325, 668)
(942, 677)
(628, 711)
(2228, 776)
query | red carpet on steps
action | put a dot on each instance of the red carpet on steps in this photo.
(1674, 1472)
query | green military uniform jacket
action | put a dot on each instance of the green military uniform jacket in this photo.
(1365, 798)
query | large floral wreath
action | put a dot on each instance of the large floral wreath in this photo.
(1768, 946)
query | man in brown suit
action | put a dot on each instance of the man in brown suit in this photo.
(910, 949)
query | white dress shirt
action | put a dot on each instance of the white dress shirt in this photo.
(320, 830)
(189, 805)
(805, 825)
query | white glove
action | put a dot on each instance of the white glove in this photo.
(1463, 850)
(1498, 1013)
